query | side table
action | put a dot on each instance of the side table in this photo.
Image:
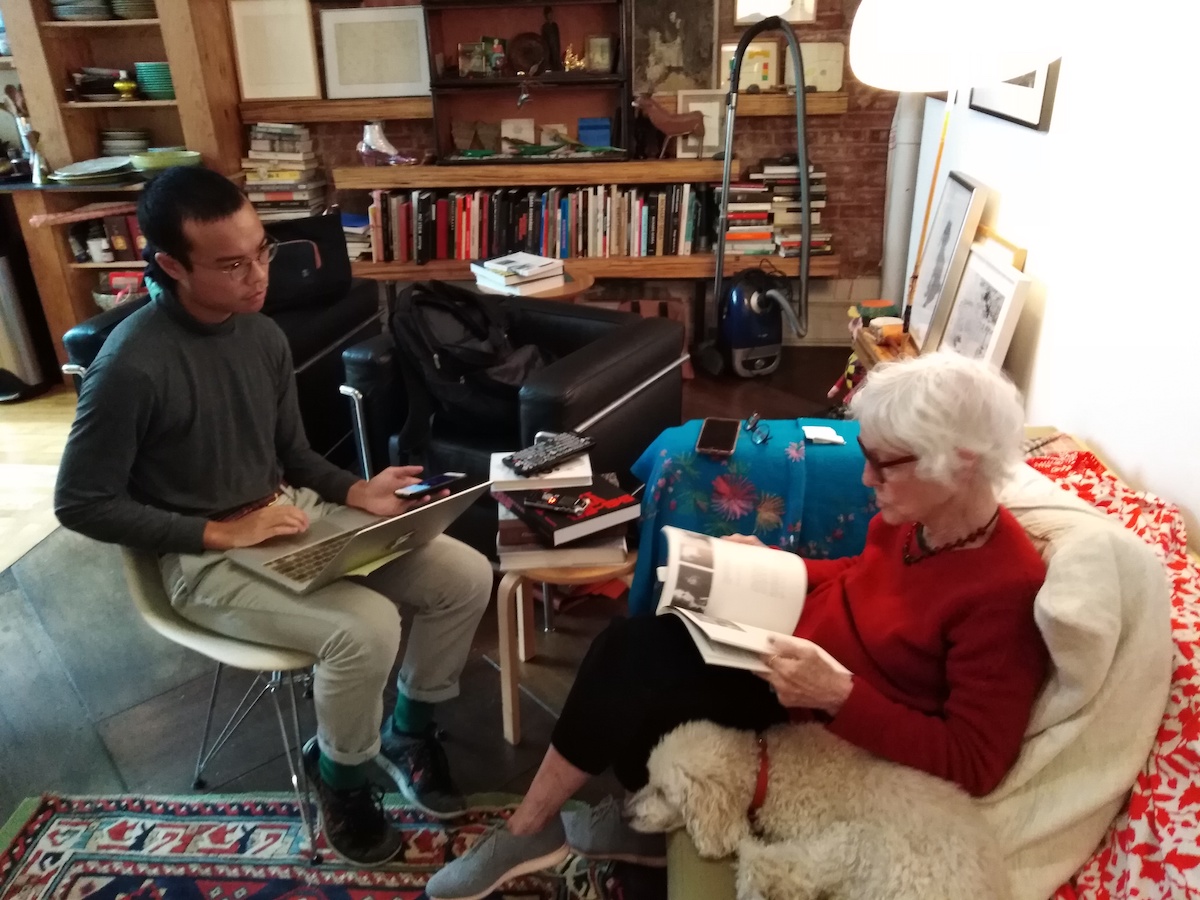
(514, 615)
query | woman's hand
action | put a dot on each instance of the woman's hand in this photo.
(748, 539)
(802, 678)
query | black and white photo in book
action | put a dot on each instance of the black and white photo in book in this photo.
(693, 588)
(698, 553)
(959, 209)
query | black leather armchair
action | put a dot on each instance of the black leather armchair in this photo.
(596, 357)
(321, 313)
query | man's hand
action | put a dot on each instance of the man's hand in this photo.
(378, 496)
(749, 540)
(255, 528)
(803, 678)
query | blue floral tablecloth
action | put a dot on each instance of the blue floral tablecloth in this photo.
(791, 493)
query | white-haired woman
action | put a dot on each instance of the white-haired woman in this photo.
(934, 618)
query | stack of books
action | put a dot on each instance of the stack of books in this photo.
(519, 273)
(748, 228)
(782, 182)
(357, 229)
(283, 174)
(528, 537)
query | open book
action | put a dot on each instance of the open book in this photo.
(733, 598)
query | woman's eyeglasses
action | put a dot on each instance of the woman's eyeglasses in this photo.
(880, 466)
(760, 431)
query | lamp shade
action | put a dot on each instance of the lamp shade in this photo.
(939, 45)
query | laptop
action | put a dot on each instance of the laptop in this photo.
(347, 539)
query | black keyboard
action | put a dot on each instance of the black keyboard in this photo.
(548, 453)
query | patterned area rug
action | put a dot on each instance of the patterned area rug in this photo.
(237, 848)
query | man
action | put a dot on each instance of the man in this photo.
(188, 442)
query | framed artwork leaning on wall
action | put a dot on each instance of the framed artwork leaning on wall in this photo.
(986, 307)
(375, 52)
(947, 244)
(276, 49)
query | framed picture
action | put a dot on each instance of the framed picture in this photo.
(799, 11)
(760, 65)
(375, 52)
(712, 105)
(276, 49)
(1027, 100)
(472, 59)
(673, 44)
(987, 305)
(947, 245)
(599, 56)
(824, 65)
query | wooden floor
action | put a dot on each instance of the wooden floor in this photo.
(32, 437)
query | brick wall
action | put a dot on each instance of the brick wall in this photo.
(851, 148)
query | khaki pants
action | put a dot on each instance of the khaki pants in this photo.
(352, 626)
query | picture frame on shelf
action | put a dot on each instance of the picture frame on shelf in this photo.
(673, 45)
(1027, 100)
(598, 53)
(760, 65)
(374, 51)
(276, 49)
(472, 59)
(799, 11)
(824, 65)
(711, 104)
(987, 305)
(948, 243)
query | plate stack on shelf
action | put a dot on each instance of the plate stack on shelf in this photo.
(108, 169)
(124, 141)
(154, 80)
(81, 10)
(134, 9)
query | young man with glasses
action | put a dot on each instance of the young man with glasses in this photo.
(188, 442)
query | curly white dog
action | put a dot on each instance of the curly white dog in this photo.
(836, 822)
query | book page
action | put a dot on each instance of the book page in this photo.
(752, 586)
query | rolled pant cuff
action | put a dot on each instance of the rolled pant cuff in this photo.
(441, 695)
(343, 758)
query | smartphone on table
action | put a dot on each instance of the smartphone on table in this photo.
(429, 485)
(718, 437)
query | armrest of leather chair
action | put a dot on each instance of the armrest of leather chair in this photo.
(376, 387)
(561, 328)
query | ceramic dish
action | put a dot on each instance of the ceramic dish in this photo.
(164, 159)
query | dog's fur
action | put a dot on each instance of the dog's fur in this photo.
(837, 823)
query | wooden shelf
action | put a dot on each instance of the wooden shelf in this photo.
(128, 264)
(827, 103)
(698, 266)
(551, 79)
(336, 110)
(118, 104)
(106, 23)
(650, 171)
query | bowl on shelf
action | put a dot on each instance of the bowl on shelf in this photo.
(107, 301)
(153, 161)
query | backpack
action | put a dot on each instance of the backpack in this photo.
(456, 343)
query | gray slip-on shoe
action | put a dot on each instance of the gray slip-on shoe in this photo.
(496, 857)
(600, 832)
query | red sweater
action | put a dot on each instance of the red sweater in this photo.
(947, 659)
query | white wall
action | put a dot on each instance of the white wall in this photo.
(1106, 203)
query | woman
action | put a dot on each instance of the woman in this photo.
(934, 619)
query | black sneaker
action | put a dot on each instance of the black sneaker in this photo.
(352, 821)
(421, 771)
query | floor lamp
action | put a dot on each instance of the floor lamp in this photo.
(951, 45)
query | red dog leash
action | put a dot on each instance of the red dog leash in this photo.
(760, 788)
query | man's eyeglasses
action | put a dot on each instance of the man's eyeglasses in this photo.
(880, 466)
(240, 270)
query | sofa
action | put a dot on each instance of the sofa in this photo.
(596, 358)
(1117, 709)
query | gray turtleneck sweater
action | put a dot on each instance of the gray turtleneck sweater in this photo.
(178, 422)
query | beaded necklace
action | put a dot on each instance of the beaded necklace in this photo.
(915, 535)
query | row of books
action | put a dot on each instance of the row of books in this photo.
(765, 213)
(124, 236)
(601, 221)
(283, 173)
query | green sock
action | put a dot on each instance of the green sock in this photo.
(412, 716)
(341, 777)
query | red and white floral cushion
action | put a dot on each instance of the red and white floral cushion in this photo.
(1152, 849)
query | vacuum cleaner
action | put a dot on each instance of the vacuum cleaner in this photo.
(752, 304)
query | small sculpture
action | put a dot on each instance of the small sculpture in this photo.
(571, 62)
(126, 87)
(553, 44)
(376, 150)
(672, 125)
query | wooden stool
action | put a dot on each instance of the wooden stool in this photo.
(514, 616)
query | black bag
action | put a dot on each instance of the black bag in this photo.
(457, 341)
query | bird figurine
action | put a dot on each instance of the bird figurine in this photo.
(672, 125)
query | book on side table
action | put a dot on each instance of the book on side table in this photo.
(608, 505)
(604, 549)
(573, 473)
(733, 598)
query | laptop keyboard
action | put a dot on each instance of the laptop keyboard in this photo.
(306, 563)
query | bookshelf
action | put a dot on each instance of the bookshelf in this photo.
(649, 171)
(695, 266)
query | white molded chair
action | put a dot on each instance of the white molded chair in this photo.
(276, 667)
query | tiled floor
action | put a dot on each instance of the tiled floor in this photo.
(92, 701)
